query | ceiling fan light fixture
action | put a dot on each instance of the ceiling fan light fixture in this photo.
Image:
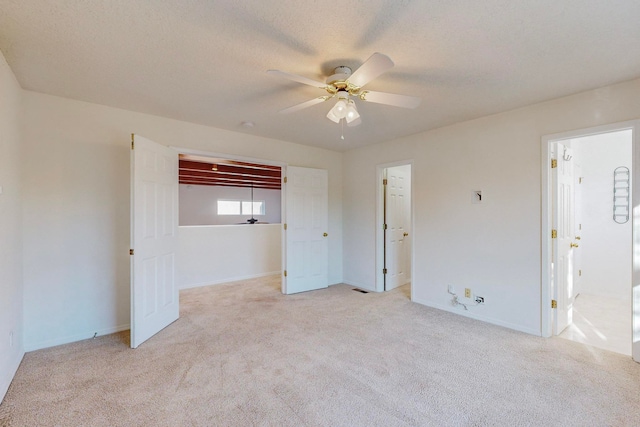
(331, 116)
(355, 122)
(352, 112)
(340, 109)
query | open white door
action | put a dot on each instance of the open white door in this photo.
(550, 265)
(397, 220)
(154, 237)
(563, 243)
(306, 236)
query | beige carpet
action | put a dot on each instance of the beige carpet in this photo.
(242, 354)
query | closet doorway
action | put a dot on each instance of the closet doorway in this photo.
(395, 239)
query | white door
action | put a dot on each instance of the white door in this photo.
(306, 235)
(154, 236)
(563, 244)
(397, 220)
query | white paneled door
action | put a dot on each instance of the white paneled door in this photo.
(306, 236)
(564, 243)
(397, 232)
(154, 237)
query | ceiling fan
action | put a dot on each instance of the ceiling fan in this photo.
(346, 86)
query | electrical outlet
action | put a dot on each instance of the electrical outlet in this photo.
(467, 293)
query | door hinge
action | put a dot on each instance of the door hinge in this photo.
(285, 179)
(554, 163)
(384, 226)
(130, 251)
(285, 273)
(384, 271)
(285, 225)
(132, 141)
(384, 181)
(580, 180)
(579, 273)
(554, 234)
(554, 303)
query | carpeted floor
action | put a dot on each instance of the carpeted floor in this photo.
(243, 354)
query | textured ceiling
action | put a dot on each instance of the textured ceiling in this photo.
(205, 61)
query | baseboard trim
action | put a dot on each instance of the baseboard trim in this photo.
(5, 382)
(77, 337)
(482, 318)
(228, 280)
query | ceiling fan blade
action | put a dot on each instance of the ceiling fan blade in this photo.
(297, 78)
(372, 68)
(390, 99)
(305, 104)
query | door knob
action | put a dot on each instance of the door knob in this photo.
(324, 234)
(405, 234)
(574, 245)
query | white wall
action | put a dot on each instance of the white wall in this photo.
(76, 208)
(494, 248)
(210, 255)
(11, 286)
(75, 193)
(605, 245)
(198, 204)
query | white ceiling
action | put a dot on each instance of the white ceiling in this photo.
(205, 61)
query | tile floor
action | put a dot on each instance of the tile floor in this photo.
(602, 322)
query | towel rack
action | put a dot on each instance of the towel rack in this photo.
(621, 195)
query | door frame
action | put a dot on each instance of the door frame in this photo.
(379, 285)
(283, 196)
(546, 219)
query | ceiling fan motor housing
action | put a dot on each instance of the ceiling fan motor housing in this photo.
(338, 79)
(343, 69)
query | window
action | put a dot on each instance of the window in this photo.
(228, 207)
(256, 209)
(240, 207)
